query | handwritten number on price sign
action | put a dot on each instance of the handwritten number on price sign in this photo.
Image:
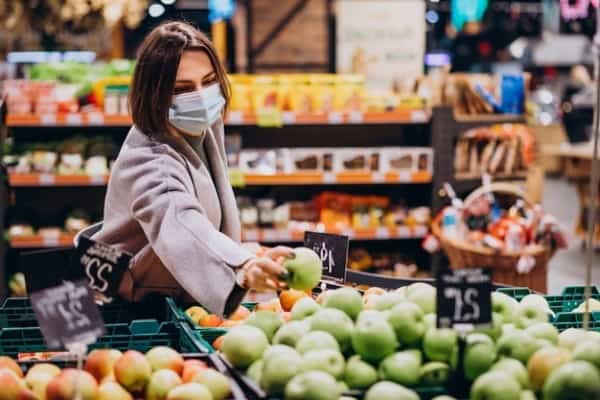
(333, 251)
(464, 297)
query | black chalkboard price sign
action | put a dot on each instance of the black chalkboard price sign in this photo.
(464, 297)
(333, 251)
(101, 265)
(67, 314)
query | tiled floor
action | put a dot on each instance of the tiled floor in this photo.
(568, 266)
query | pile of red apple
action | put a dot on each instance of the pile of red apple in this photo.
(387, 344)
(160, 374)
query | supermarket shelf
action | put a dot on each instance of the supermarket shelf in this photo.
(38, 241)
(289, 235)
(518, 175)
(67, 119)
(233, 118)
(250, 235)
(320, 178)
(29, 180)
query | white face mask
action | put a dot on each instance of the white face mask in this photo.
(194, 112)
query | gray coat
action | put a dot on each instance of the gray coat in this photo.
(181, 223)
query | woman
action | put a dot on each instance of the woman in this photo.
(169, 200)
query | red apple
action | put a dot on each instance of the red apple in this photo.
(163, 357)
(190, 368)
(196, 313)
(7, 362)
(100, 362)
(63, 385)
(210, 321)
(289, 297)
(240, 314)
(132, 371)
(218, 342)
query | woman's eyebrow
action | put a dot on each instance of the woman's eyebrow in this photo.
(211, 74)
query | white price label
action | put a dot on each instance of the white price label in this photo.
(50, 241)
(355, 117)
(251, 235)
(329, 177)
(335, 117)
(46, 179)
(421, 231)
(235, 118)
(97, 179)
(404, 232)
(95, 118)
(405, 176)
(288, 117)
(73, 119)
(48, 119)
(418, 116)
(269, 235)
(378, 177)
(382, 233)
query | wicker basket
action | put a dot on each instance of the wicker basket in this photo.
(503, 264)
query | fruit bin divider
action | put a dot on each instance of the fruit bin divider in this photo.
(566, 302)
(575, 320)
(256, 393)
(139, 335)
(212, 360)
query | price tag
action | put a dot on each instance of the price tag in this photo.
(333, 250)
(329, 177)
(420, 231)
(46, 179)
(67, 314)
(235, 118)
(251, 235)
(464, 298)
(355, 117)
(382, 233)
(405, 176)
(101, 265)
(288, 117)
(378, 177)
(95, 118)
(418, 116)
(335, 118)
(97, 179)
(73, 119)
(404, 232)
(48, 119)
(269, 118)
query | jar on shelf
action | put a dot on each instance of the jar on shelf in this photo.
(266, 213)
(248, 213)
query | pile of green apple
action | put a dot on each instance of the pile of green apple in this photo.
(160, 374)
(386, 344)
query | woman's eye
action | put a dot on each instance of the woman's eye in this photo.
(184, 87)
(209, 81)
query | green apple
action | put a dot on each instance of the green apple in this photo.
(518, 344)
(305, 307)
(430, 321)
(161, 382)
(589, 351)
(385, 390)
(407, 320)
(343, 388)
(495, 330)
(537, 300)
(190, 391)
(402, 367)
(359, 374)
(440, 344)
(278, 370)
(530, 314)
(434, 373)
(373, 337)
(291, 332)
(504, 305)
(595, 335)
(317, 340)
(569, 338)
(243, 345)
(345, 299)
(325, 360)
(423, 295)
(389, 300)
(276, 350)
(254, 371)
(303, 269)
(495, 385)
(443, 397)
(544, 330)
(543, 362)
(593, 306)
(312, 385)
(577, 380)
(335, 322)
(480, 355)
(217, 383)
(514, 368)
(267, 321)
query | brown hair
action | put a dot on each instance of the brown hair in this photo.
(156, 70)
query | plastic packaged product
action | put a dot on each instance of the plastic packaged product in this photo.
(323, 92)
(70, 164)
(241, 93)
(356, 160)
(300, 95)
(265, 93)
(266, 212)
(258, 161)
(514, 240)
(111, 100)
(43, 161)
(450, 222)
(96, 165)
(248, 213)
(349, 93)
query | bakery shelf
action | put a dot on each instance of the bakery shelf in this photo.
(250, 235)
(297, 235)
(320, 178)
(39, 241)
(29, 180)
(233, 118)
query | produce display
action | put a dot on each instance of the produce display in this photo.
(75, 221)
(507, 149)
(108, 374)
(385, 263)
(386, 344)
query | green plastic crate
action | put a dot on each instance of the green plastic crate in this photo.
(180, 314)
(575, 320)
(16, 312)
(139, 335)
(566, 302)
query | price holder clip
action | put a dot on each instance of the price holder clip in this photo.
(101, 265)
(333, 251)
(464, 298)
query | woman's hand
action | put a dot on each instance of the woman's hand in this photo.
(264, 273)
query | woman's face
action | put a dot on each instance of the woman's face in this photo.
(195, 72)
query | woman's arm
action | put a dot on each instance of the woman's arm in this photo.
(199, 257)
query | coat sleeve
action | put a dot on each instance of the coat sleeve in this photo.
(200, 257)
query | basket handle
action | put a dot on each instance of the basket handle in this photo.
(497, 187)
